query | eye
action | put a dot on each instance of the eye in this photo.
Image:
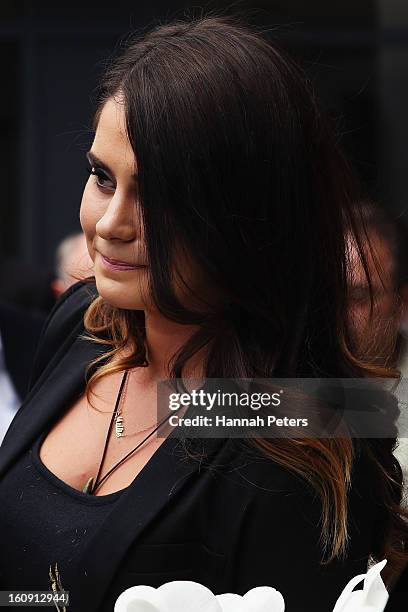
(102, 179)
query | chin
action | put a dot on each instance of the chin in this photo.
(118, 295)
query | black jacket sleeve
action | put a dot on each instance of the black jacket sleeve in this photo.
(279, 544)
(61, 327)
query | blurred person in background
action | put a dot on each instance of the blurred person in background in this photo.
(380, 334)
(20, 328)
(20, 331)
(26, 286)
(72, 263)
(9, 400)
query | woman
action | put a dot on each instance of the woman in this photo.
(215, 214)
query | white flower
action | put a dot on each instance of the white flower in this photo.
(371, 598)
(260, 599)
(186, 596)
(177, 595)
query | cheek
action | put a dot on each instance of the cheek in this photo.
(90, 213)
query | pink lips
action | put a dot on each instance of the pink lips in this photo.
(114, 264)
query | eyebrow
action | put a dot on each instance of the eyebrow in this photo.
(95, 161)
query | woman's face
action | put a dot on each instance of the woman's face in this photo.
(111, 221)
(110, 214)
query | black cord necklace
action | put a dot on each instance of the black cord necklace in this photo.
(91, 485)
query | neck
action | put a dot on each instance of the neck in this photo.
(163, 339)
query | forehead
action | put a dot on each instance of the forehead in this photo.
(111, 143)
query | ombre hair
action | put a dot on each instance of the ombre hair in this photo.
(238, 164)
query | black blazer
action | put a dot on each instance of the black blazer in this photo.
(232, 521)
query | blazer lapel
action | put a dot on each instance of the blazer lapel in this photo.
(62, 381)
(161, 479)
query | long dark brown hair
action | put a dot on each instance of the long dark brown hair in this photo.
(238, 165)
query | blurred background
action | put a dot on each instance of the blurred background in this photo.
(51, 57)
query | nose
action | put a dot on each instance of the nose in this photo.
(121, 219)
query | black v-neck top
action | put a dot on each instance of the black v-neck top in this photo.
(45, 521)
(228, 518)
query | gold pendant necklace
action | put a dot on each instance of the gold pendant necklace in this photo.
(94, 483)
(119, 426)
(88, 486)
(119, 420)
